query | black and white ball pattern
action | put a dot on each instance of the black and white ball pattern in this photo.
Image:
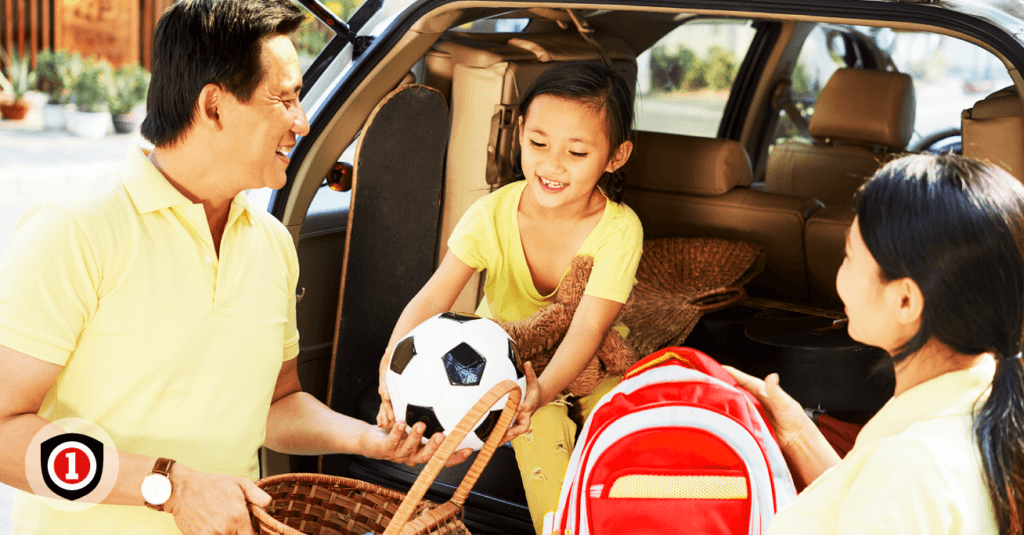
(444, 366)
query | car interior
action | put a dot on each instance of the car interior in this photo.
(771, 153)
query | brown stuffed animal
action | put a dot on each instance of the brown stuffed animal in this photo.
(539, 335)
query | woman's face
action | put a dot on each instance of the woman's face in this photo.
(872, 304)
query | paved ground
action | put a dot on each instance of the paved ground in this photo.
(36, 164)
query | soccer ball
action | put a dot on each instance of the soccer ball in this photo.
(444, 366)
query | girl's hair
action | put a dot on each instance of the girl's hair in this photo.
(955, 227)
(595, 84)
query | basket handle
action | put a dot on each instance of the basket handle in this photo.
(717, 299)
(436, 463)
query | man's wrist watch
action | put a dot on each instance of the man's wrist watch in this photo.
(156, 487)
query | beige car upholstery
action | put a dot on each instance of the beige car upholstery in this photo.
(693, 186)
(825, 239)
(993, 130)
(486, 81)
(860, 119)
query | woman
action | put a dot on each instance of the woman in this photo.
(934, 275)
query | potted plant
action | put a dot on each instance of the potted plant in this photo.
(20, 81)
(90, 91)
(55, 72)
(131, 83)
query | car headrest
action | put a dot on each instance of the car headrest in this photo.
(866, 108)
(993, 130)
(686, 164)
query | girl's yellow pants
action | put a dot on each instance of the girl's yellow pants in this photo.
(543, 452)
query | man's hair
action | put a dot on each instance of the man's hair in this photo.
(199, 42)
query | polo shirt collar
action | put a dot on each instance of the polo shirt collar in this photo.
(150, 191)
(950, 394)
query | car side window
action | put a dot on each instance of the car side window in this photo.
(949, 75)
(683, 81)
(825, 51)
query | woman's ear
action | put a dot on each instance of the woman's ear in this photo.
(907, 301)
(619, 157)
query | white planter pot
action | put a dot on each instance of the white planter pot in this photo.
(89, 124)
(55, 116)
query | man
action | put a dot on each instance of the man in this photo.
(157, 304)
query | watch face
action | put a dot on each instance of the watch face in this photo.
(156, 489)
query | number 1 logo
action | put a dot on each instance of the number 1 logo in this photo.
(72, 464)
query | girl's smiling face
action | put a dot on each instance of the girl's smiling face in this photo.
(565, 150)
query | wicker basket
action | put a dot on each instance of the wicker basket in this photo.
(316, 504)
(679, 280)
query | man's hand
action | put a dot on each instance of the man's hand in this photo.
(529, 404)
(400, 447)
(786, 415)
(212, 503)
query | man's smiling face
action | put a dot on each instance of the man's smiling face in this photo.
(263, 131)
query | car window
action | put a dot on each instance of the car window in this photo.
(683, 81)
(949, 74)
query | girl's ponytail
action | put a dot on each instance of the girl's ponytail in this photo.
(999, 432)
(617, 185)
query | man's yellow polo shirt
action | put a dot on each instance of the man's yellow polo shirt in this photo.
(914, 468)
(171, 350)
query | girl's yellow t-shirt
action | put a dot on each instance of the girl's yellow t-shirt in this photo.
(487, 237)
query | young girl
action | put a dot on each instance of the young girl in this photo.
(574, 125)
(934, 274)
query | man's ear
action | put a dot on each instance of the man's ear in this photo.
(620, 156)
(210, 107)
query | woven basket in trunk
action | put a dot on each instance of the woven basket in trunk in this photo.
(317, 504)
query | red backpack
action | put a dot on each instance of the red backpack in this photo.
(676, 447)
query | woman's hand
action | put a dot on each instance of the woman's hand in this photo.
(408, 448)
(786, 415)
(529, 403)
(808, 453)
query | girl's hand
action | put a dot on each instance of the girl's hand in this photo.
(786, 416)
(530, 402)
(386, 414)
(401, 447)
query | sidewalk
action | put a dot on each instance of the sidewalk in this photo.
(35, 165)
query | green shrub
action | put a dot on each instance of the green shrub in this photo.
(92, 86)
(698, 74)
(20, 76)
(669, 69)
(722, 69)
(131, 83)
(55, 73)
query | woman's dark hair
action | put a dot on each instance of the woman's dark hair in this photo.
(955, 227)
(199, 42)
(592, 83)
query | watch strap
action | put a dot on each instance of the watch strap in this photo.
(163, 466)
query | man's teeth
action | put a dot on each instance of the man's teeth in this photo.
(552, 183)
